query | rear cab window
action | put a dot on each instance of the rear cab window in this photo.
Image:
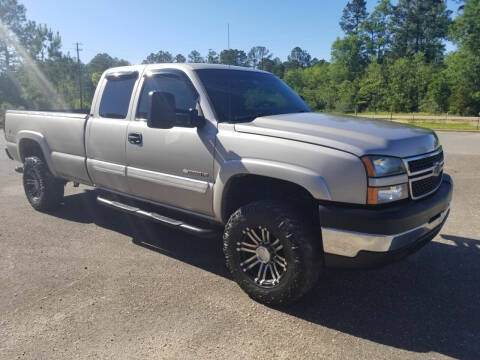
(117, 94)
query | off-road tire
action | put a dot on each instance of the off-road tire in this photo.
(48, 192)
(301, 246)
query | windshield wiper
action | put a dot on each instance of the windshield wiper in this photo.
(253, 117)
(260, 114)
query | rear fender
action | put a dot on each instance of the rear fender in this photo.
(42, 143)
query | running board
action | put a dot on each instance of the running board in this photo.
(173, 223)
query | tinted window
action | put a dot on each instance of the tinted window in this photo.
(244, 95)
(116, 98)
(184, 97)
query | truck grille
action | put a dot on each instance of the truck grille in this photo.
(426, 185)
(425, 163)
(425, 173)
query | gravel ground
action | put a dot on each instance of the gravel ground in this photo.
(87, 282)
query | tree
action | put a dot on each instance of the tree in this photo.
(299, 57)
(294, 79)
(233, 57)
(438, 94)
(465, 31)
(402, 86)
(45, 44)
(464, 78)
(317, 87)
(376, 29)
(94, 70)
(420, 26)
(159, 57)
(392, 59)
(103, 61)
(212, 57)
(195, 57)
(348, 58)
(464, 64)
(274, 66)
(347, 96)
(373, 87)
(13, 23)
(354, 13)
(179, 58)
(257, 56)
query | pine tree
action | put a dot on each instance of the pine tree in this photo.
(354, 14)
(376, 30)
(420, 26)
(195, 57)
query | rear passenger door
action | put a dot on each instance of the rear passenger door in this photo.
(106, 131)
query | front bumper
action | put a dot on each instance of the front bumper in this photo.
(369, 236)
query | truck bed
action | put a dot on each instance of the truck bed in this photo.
(60, 135)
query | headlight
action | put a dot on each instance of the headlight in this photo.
(378, 166)
(381, 195)
(392, 173)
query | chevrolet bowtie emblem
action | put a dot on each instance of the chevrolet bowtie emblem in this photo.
(437, 168)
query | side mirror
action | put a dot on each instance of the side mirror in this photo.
(196, 116)
(161, 110)
(193, 118)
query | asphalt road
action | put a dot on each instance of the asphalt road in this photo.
(87, 282)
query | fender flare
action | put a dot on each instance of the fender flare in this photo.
(311, 181)
(40, 140)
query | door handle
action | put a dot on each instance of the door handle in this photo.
(135, 138)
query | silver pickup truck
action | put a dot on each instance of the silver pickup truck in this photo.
(206, 147)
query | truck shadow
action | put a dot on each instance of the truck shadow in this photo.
(429, 302)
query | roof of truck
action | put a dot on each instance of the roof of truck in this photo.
(181, 66)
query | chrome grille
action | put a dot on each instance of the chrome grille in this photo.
(425, 185)
(425, 163)
(425, 173)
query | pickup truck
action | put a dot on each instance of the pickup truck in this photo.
(204, 148)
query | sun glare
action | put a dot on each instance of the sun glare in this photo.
(34, 74)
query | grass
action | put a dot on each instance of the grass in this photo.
(440, 125)
(387, 113)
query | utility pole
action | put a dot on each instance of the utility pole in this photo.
(79, 74)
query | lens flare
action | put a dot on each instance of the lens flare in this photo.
(34, 75)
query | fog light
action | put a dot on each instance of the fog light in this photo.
(387, 194)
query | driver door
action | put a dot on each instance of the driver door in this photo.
(173, 167)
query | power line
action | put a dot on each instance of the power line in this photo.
(77, 45)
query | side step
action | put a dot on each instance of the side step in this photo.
(177, 224)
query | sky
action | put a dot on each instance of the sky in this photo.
(133, 29)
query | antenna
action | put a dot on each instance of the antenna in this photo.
(228, 36)
(77, 45)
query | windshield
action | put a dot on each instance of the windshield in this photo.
(239, 96)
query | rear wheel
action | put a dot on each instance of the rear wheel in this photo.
(43, 190)
(271, 252)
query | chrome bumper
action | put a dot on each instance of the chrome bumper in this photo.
(349, 244)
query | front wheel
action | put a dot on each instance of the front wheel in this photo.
(271, 252)
(43, 190)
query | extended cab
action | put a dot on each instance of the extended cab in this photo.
(200, 147)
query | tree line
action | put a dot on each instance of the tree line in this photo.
(392, 59)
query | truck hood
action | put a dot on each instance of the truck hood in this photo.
(359, 136)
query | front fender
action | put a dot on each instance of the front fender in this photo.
(306, 178)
